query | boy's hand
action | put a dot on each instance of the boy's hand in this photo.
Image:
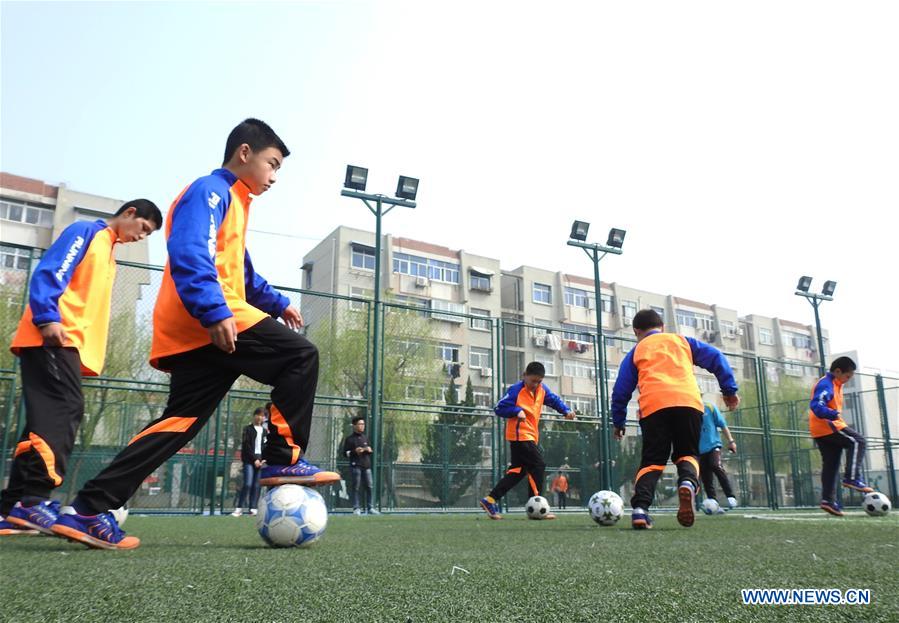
(569, 415)
(522, 415)
(224, 334)
(292, 317)
(732, 446)
(732, 402)
(619, 433)
(53, 334)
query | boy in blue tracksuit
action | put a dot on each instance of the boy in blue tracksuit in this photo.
(710, 454)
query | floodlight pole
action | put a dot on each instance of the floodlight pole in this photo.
(593, 251)
(375, 391)
(815, 300)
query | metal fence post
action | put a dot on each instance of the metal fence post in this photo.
(887, 441)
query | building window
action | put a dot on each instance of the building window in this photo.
(477, 323)
(438, 305)
(363, 293)
(21, 213)
(544, 325)
(479, 281)
(628, 311)
(707, 384)
(483, 398)
(766, 336)
(703, 322)
(543, 293)
(659, 310)
(479, 358)
(15, 258)
(607, 306)
(577, 332)
(793, 369)
(548, 362)
(363, 257)
(611, 373)
(728, 328)
(797, 340)
(410, 301)
(581, 405)
(577, 297)
(577, 369)
(416, 266)
(448, 352)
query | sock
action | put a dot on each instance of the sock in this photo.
(81, 509)
(639, 511)
(32, 500)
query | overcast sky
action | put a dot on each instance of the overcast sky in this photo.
(741, 145)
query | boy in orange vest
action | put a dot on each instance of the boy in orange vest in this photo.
(832, 435)
(62, 336)
(522, 406)
(215, 320)
(661, 365)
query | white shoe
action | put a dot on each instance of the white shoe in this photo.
(357, 511)
(237, 512)
(732, 502)
(253, 511)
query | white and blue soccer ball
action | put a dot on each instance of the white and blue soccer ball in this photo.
(710, 506)
(606, 507)
(291, 516)
(537, 507)
(876, 504)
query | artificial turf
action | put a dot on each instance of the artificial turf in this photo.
(432, 568)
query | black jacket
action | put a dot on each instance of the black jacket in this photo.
(357, 440)
(248, 443)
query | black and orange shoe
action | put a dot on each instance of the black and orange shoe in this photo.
(686, 495)
(834, 508)
(300, 473)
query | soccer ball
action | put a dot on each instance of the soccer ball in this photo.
(537, 507)
(606, 507)
(710, 506)
(876, 504)
(120, 514)
(291, 516)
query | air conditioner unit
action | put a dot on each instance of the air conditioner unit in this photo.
(421, 282)
(740, 331)
(539, 340)
(486, 372)
(626, 321)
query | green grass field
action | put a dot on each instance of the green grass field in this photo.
(401, 568)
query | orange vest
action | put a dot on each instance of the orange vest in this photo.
(665, 376)
(174, 329)
(527, 428)
(821, 427)
(560, 484)
(83, 306)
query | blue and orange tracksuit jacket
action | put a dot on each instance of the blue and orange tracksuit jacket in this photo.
(825, 407)
(72, 285)
(661, 366)
(519, 399)
(209, 275)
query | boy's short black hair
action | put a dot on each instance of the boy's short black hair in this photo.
(647, 319)
(259, 411)
(843, 364)
(143, 208)
(255, 133)
(535, 368)
(357, 418)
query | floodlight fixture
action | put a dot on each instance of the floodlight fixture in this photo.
(407, 188)
(579, 230)
(804, 284)
(356, 178)
(616, 238)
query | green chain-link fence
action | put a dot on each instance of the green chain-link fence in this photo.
(437, 444)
